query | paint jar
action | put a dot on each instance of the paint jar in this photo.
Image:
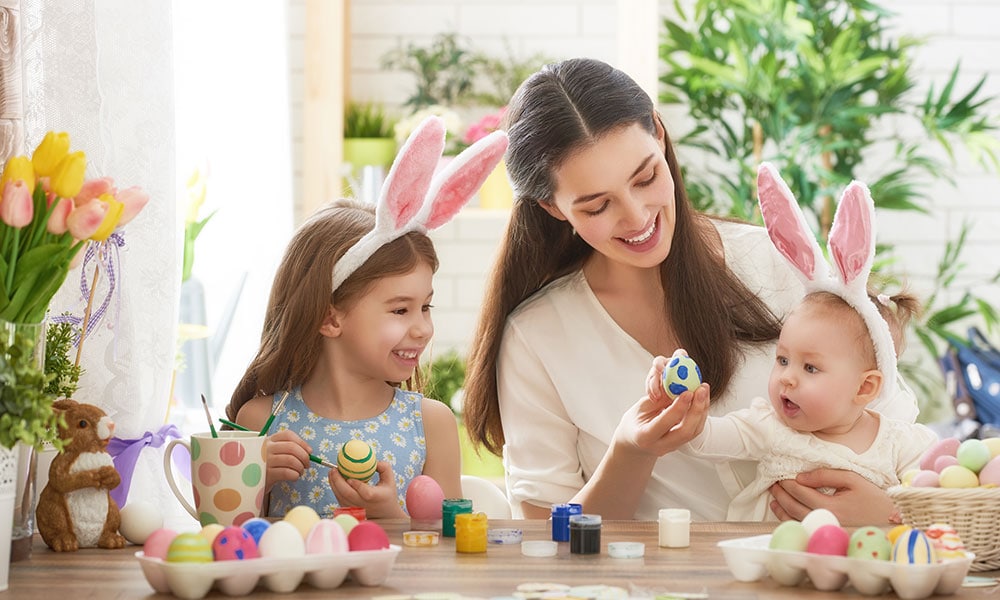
(357, 512)
(675, 527)
(560, 520)
(585, 534)
(450, 507)
(470, 532)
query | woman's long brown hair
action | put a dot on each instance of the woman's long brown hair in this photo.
(290, 342)
(554, 113)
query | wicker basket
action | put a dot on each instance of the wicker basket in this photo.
(973, 512)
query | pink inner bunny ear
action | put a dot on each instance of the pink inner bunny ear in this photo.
(410, 176)
(463, 177)
(784, 221)
(852, 239)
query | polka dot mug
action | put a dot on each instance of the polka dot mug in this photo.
(227, 476)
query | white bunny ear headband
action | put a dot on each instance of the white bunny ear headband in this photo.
(852, 247)
(414, 199)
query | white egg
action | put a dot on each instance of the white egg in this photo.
(818, 518)
(139, 519)
(281, 539)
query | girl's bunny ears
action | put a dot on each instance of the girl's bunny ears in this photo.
(852, 246)
(414, 199)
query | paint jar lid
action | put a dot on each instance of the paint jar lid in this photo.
(504, 535)
(539, 548)
(562, 510)
(626, 549)
(585, 521)
(676, 515)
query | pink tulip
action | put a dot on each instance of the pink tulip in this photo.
(84, 220)
(134, 200)
(16, 209)
(93, 188)
(57, 220)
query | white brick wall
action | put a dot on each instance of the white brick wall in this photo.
(956, 30)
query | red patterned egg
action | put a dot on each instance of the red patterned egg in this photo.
(326, 537)
(946, 541)
(234, 543)
(869, 543)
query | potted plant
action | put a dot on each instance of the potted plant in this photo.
(369, 137)
(815, 86)
(445, 71)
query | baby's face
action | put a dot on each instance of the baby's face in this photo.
(817, 372)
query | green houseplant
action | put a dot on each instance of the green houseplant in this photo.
(368, 137)
(445, 70)
(818, 87)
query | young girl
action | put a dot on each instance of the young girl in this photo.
(347, 320)
(829, 367)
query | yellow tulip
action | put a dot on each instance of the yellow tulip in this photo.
(111, 218)
(67, 179)
(19, 168)
(53, 148)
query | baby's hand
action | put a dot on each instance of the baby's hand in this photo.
(287, 457)
(379, 501)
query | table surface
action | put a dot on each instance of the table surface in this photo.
(700, 568)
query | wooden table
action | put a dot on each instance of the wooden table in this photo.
(698, 568)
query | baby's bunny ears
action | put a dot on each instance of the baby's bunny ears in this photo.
(413, 198)
(852, 246)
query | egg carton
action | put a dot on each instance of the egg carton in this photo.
(749, 559)
(281, 575)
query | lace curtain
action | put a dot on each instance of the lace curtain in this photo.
(102, 71)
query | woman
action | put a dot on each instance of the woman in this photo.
(604, 266)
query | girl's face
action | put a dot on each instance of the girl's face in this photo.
(818, 383)
(386, 330)
(619, 196)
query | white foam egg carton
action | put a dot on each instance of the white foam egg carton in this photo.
(282, 575)
(749, 559)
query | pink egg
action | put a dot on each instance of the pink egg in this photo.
(945, 447)
(326, 537)
(990, 474)
(423, 499)
(158, 542)
(944, 461)
(368, 535)
(926, 479)
(829, 539)
(234, 543)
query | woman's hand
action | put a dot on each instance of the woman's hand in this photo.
(379, 501)
(855, 501)
(287, 457)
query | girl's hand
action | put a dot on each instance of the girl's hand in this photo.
(656, 427)
(379, 501)
(287, 457)
(856, 500)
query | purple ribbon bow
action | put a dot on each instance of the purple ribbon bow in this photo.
(125, 454)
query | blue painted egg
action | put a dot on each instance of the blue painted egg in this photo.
(913, 547)
(680, 375)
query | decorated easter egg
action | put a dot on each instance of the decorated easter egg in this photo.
(990, 474)
(908, 475)
(234, 543)
(356, 460)
(897, 531)
(189, 548)
(818, 518)
(367, 535)
(326, 537)
(256, 527)
(946, 541)
(945, 447)
(680, 375)
(158, 543)
(423, 499)
(913, 547)
(789, 535)
(957, 476)
(303, 518)
(944, 461)
(828, 539)
(210, 531)
(993, 444)
(282, 540)
(869, 543)
(973, 454)
(139, 519)
(346, 522)
(926, 479)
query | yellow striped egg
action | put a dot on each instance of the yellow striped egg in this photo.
(946, 541)
(356, 460)
(190, 548)
(915, 548)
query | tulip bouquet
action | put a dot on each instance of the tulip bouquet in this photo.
(48, 213)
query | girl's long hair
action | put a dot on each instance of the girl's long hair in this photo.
(290, 342)
(557, 111)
